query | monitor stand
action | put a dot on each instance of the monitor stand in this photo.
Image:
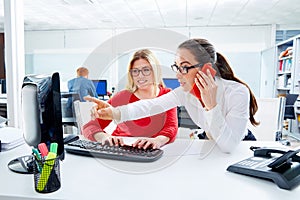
(22, 165)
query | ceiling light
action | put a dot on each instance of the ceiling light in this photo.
(106, 20)
(198, 18)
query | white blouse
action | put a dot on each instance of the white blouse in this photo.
(226, 123)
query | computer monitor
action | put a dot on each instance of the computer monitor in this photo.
(101, 87)
(42, 117)
(171, 83)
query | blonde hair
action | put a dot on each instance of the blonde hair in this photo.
(147, 55)
(82, 71)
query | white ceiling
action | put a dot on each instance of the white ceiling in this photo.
(97, 14)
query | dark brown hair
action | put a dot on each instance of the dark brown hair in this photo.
(204, 52)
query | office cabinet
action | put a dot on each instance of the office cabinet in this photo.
(285, 68)
(288, 79)
(288, 67)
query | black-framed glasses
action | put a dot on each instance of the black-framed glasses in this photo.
(184, 69)
(146, 71)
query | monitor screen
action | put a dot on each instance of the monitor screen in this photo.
(171, 83)
(101, 87)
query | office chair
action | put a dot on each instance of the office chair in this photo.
(83, 116)
(67, 104)
(289, 112)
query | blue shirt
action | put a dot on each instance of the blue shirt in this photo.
(83, 87)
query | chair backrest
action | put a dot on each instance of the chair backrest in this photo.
(82, 113)
(289, 112)
(67, 100)
(184, 119)
(270, 115)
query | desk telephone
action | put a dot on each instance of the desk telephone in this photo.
(282, 167)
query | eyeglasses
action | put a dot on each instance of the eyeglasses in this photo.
(146, 71)
(184, 69)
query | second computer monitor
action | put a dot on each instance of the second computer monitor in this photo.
(171, 83)
(101, 87)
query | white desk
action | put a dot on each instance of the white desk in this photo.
(172, 177)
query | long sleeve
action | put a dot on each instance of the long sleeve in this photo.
(83, 87)
(226, 123)
(165, 124)
(170, 127)
(93, 127)
(149, 107)
(92, 89)
(228, 128)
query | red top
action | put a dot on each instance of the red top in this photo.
(165, 124)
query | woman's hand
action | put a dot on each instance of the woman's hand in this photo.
(107, 138)
(208, 89)
(99, 105)
(154, 143)
(106, 114)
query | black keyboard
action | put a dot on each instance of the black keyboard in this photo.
(125, 153)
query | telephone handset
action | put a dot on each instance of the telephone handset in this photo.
(283, 169)
(280, 163)
(195, 90)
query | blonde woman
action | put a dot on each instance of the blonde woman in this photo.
(144, 82)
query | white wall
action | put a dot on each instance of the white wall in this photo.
(242, 46)
(48, 51)
(268, 67)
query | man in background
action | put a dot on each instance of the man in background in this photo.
(82, 85)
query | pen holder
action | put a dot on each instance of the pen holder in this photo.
(46, 175)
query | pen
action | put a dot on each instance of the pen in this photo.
(53, 147)
(36, 153)
(46, 171)
(39, 159)
(43, 149)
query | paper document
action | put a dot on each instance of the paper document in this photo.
(10, 138)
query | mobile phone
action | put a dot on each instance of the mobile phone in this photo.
(195, 90)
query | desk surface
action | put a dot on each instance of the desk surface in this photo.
(189, 169)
